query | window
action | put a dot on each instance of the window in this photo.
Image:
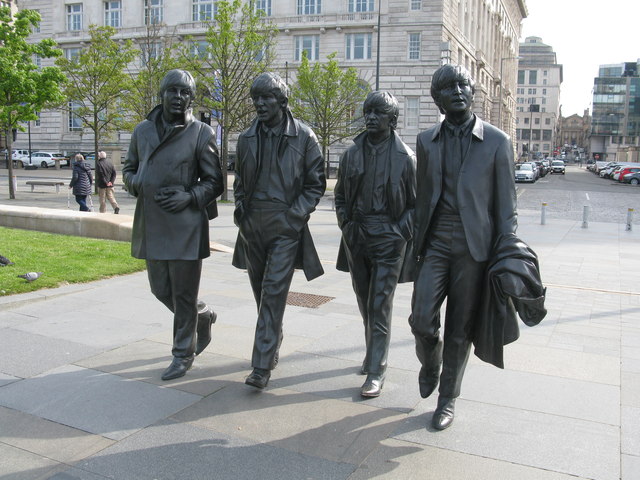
(113, 13)
(309, 44)
(150, 51)
(533, 77)
(544, 91)
(414, 46)
(520, 77)
(263, 6)
(71, 53)
(36, 28)
(309, 7)
(204, 10)
(75, 124)
(153, 12)
(37, 121)
(358, 46)
(360, 6)
(199, 48)
(415, 5)
(412, 111)
(37, 61)
(547, 121)
(74, 17)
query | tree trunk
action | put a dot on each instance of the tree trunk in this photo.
(224, 144)
(12, 193)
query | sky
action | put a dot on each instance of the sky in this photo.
(584, 34)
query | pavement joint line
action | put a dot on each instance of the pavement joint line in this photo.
(591, 289)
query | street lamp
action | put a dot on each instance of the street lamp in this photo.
(501, 82)
(378, 50)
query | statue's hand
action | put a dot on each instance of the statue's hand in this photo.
(173, 200)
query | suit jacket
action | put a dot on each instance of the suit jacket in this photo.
(486, 191)
(400, 193)
(301, 169)
(187, 158)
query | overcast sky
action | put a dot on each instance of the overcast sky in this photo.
(584, 34)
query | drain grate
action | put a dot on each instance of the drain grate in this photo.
(307, 300)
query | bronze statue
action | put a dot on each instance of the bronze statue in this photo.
(279, 180)
(466, 200)
(375, 197)
(173, 169)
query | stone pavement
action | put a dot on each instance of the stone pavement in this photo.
(81, 395)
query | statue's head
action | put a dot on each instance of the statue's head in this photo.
(452, 89)
(177, 91)
(384, 102)
(270, 96)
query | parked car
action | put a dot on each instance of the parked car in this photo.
(46, 159)
(542, 169)
(557, 166)
(632, 178)
(526, 172)
(619, 175)
(89, 158)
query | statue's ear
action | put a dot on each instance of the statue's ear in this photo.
(284, 102)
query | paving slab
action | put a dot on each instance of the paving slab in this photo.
(18, 464)
(551, 442)
(24, 354)
(630, 430)
(95, 402)
(173, 450)
(332, 429)
(630, 467)
(395, 459)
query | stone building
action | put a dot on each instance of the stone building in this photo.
(573, 136)
(413, 38)
(538, 99)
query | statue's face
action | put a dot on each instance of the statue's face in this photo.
(377, 121)
(456, 97)
(176, 99)
(268, 109)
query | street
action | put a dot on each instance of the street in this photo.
(566, 195)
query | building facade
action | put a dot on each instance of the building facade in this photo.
(615, 127)
(394, 44)
(573, 136)
(538, 99)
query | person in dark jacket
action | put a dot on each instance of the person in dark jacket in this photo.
(173, 169)
(105, 178)
(279, 181)
(466, 199)
(81, 182)
(375, 197)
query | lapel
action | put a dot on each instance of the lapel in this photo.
(355, 172)
(395, 167)
(438, 154)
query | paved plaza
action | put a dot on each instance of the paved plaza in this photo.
(81, 395)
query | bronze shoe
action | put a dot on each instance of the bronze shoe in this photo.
(444, 413)
(205, 320)
(372, 386)
(259, 378)
(178, 368)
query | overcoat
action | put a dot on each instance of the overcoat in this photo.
(81, 179)
(400, 193)
(187, 158)
(301, 168)
(486, 192)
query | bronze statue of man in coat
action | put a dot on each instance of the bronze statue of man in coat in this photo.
(173, 169)
(279, 180)
(375, 197)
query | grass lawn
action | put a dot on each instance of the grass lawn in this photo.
(62, 259)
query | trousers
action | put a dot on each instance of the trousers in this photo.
(105, 194)
(447, 271)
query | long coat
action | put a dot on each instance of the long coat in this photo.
(186, 157)
(301, 169)
(486, 191)
(400, 193)
(81, 179)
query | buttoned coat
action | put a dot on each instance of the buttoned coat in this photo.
(187, 158)
(400, 193)
(301, 168)
(486, 193)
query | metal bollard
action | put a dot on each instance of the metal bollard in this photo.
(585, 216)
(543, 214)
(629, 219)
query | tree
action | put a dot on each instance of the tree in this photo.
(97, 80)
(238, 47)
(156, 59)
(24, 89)
(327, 98)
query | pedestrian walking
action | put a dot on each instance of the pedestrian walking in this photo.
(105, 178)
(81, 182)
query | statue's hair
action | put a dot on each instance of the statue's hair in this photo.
(270, 83)
(173, 77)
(446, 75)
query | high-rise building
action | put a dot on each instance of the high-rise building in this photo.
(615, 127)
(538, 99)
(395, 44)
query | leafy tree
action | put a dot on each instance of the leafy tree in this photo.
(97, 81)
(327, 98)
(24, 89)
(155, 51)
(237, 48)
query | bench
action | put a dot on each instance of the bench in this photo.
(48, 183)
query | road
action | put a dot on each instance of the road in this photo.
(566, 195)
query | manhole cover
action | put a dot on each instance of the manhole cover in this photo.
(307, 300)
